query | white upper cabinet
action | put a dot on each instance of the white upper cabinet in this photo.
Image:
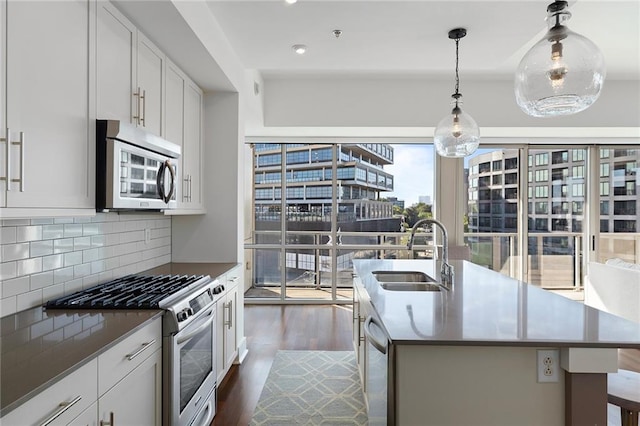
(47, 125)
(183, 125)
(130, 72)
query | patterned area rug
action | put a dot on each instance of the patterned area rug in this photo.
(311, 388)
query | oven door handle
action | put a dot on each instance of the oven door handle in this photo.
(189, 336)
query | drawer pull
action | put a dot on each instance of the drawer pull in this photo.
(144, 347)
(110, 422)
(64, 406)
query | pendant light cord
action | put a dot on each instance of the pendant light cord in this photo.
(457, 77)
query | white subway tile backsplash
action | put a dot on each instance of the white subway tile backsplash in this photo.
(15, 252)
(7, 270)
(29, 266)
(73, 258)
(28, 300)
(41, 221)
(7, 235)
(73, 286)
(8, 306)
(52, 292)
(81, 243)
(73, 230)
(63, 220)
(98, 241)
(15, 222)
(52, 262)
(98, 266)
(50, 232)
(62, 275)
(41, 248)
(45, 258)
(90, 229)
(28, 233)
(15, 286)
(83, 270)
(41, 280)
(63, 245)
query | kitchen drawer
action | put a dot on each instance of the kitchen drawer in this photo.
(121, 359)
(69, 397)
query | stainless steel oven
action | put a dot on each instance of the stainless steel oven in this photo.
(188, 333)
(135, 170)
(189, 350)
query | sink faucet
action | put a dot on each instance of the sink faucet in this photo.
(446, 270)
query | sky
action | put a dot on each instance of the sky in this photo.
(412, 170)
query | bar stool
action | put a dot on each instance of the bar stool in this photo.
(623, 390)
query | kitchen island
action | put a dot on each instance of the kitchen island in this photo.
(469, 355)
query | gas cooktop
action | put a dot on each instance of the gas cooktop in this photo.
(129, 292)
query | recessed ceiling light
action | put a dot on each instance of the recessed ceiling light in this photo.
(290, 1)
(300, 49)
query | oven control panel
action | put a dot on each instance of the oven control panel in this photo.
(196, 304)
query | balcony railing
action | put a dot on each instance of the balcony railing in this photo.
(554, 260)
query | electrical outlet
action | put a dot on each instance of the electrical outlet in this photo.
(548, 365)
(147, 236)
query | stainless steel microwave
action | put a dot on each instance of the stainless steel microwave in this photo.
(135, 170)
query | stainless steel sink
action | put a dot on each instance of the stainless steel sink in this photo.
(402, 277)
(400, 286)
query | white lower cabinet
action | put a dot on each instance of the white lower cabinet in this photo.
(226, 324)
(60, 403)
(88, 417)
(121, 386)
(136, 399)
(130, 379)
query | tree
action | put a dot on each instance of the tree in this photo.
(417, 212)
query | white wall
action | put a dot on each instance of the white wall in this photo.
(47, 258)
(218, 235)
(407, 101)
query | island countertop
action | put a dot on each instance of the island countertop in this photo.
(486, 308)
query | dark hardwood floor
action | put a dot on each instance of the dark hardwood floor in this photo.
(269, 328)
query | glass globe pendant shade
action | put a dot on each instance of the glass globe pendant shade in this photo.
(561, 74)
(456, 135)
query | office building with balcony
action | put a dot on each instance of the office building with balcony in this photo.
(307, 171)
(556, 193)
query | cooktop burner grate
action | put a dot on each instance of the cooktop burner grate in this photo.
(129, 292)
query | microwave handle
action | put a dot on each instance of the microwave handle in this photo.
(166, 197)
(160, 181)
(172, 186)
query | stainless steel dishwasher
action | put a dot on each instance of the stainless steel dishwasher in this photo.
(379, 374)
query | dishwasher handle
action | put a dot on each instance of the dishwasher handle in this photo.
(376, 344)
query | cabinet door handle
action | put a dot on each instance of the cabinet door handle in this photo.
(64, 406)
(144, 347)
(228, 308)
(110, 422)
(189, 188)
(234, 279)
(21, 142)
(144, 107)
(185, 189)
(137, 116)
(7, 163)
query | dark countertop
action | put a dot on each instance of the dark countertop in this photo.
(214, 270)
(39, 347)
(486, 308)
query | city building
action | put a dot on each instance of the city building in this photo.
(361, 183)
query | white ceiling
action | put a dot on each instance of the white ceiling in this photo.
(381, 37)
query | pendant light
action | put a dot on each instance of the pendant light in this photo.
(456, 135)
(563, 73)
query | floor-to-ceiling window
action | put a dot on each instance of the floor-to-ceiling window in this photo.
(318, 206)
